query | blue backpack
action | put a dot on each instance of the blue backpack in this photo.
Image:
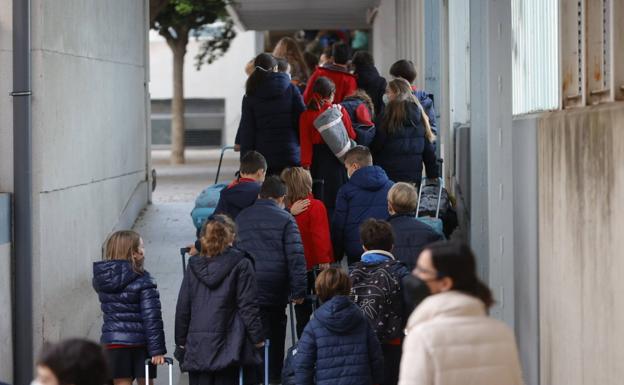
(206, 203)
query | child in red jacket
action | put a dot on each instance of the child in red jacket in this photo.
(316, 155)
(314, 229)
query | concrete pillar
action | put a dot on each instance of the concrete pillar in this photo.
(6, 330)
(491, 221)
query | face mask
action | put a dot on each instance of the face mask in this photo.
(415, 291)
(386, 99)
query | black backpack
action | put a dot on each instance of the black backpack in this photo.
(377, 291)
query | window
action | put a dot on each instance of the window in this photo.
(535, 36)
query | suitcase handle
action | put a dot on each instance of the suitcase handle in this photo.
(168, 361)
(422, 184)
(223, 150)
(183, 251)
(267, 343)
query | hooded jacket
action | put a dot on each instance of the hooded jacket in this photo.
(403, 152)
(369, 80)
(363, 196)
(343, 80)
(270, 121)
(338, 347)
(270, 235)
(410, 238)
(238, 195)
(451, 341)
(427, 104)
(131, 306)
(217, 319)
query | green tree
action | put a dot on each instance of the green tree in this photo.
(177, 21)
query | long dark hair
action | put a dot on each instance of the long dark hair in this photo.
(322, 89)
(263, 66)
(457, 261)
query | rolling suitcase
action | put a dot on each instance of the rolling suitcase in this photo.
(207, 200)
(241, 375)
(168, 361)
(435, 222)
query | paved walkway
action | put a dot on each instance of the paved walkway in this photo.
(166, 226)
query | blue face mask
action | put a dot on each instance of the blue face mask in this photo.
(386, 99)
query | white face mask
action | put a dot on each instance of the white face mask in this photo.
(386, 99)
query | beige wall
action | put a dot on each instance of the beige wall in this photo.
(581, 185)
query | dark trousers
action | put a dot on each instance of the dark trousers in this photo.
(304, 311)
(274, 324)
(392, 361)
(226, 376)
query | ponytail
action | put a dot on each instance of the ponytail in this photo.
(322, 89)
(263, 66)
(217, 235)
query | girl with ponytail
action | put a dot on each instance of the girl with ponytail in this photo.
(454, 319)
(270, 116)
(316, 156)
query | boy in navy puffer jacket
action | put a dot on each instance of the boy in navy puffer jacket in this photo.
(133, 326)
(270, 235)
(362, 197)
(338, 346)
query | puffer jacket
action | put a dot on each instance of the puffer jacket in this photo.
(270, 235)
(131, 306)
(270, 122)
(236, 196)
(402, 154)
(437, 336)
(410, 238)
(217, 319)
(338, 347)
(427, 104)
(363, 196)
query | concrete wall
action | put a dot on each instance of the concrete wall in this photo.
(6, 106)
(224, 78)
(89, 145)
(525, 248)
(6, 333)
(581, 182)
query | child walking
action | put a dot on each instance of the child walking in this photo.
(313, 226)
(133, 326)
(338, 346)
(217, 321)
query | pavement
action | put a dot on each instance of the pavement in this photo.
(166, 226)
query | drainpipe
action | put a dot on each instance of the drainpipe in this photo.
(22, 195)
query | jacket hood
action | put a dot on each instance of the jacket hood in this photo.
(212, 271)
(274, 85)
(334, 68)
(339, 314)
(113, 276)
(234, 197)
(377, 256)
(423, 98)
(367, 76)
(371, 178)
(448, 304)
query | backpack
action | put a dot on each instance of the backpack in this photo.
(331, 128)
(377, 291)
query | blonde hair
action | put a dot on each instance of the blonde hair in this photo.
(287, 48)
(298, 183)
(217, 235)
(124, 245)
(403, 198)
(396, 111)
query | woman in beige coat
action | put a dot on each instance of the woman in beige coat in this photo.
(450, 340)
